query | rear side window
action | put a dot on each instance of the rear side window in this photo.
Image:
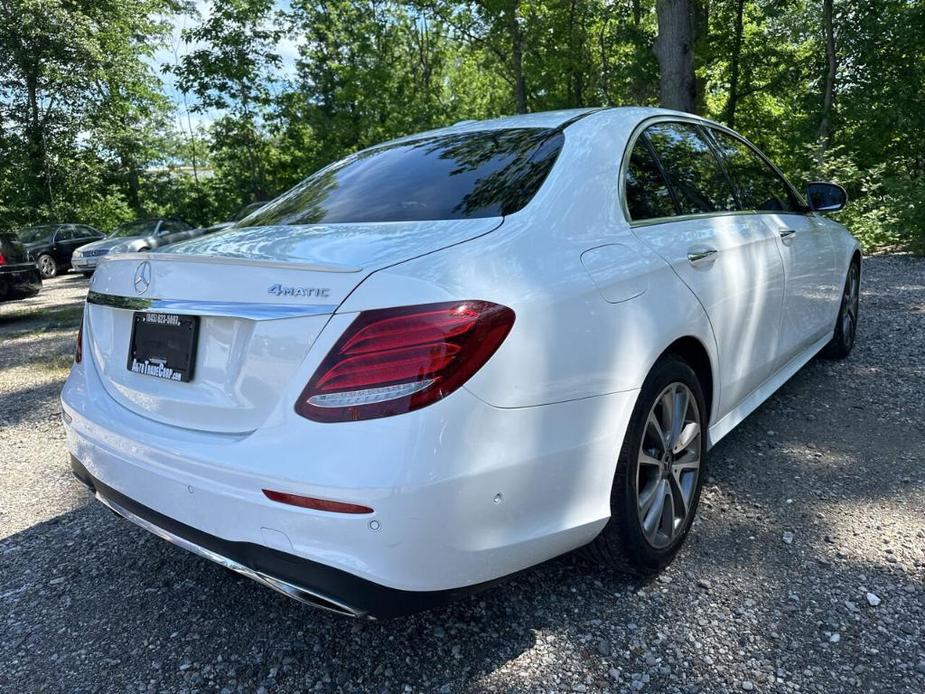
(456, 176)
(85, 232)
(759, 186)
(694, 173)
(647, 194)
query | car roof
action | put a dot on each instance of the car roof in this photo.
(549, 119)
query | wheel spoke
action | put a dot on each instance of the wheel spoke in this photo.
(652, 517)
(655, 424)
(680, 498)
(687, 436)
(667, 401)
(646, 459)
(648, 495)
(678, 413)
(667, 523)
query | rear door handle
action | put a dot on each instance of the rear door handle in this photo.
(786, 235)
(700, 256)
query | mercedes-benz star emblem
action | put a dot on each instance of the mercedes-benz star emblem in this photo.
(143, 277)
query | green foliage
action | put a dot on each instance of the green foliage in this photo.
(87, 132)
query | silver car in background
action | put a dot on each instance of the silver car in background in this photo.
(132, 237)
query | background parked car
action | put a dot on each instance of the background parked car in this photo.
(141, 235)
(52, 245)
(19, 276)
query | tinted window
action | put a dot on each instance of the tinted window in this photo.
(759, 186)
(86, 232)
(455, 176)
(68, 232)
(36, 234)
(693, 171)
(647, 194)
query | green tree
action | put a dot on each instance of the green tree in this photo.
(233, 71)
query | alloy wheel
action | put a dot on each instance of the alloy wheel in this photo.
(46, 266)
(669, 464)
(849, 319)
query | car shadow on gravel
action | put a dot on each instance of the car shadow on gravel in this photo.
(105, 582)
(89, 582)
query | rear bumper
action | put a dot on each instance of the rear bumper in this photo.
(19, 281)
(463, 493)
(304, 580)
(85, 264)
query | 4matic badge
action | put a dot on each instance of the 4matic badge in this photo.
(281, 290)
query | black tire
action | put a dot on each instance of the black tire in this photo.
(622, 544)
(846, 327)
(88, 275)
(48, 268)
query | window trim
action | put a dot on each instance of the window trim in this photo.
(639, 131)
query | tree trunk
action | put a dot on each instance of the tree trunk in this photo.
(729, 112)
(576, 43)
(517, 57)
(35, 137)
(674, 48)
(828, 96)
(605, 56)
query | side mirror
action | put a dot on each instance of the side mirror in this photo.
(826, 197)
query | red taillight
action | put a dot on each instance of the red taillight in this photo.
(396, 360)
(79, 351)
(315, 504)
(2, 259)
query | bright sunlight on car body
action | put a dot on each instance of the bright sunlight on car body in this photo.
(456, 355)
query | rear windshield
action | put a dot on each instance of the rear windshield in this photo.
(457, 176)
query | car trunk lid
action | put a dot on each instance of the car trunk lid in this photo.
(262, 298)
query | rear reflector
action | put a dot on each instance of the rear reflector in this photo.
(315, 504)
(392, 361)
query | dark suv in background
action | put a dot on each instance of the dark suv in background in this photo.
(19, 277)
(52, 245)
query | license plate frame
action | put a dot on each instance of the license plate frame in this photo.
(163, 345)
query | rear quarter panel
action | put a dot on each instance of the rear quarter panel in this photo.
(582, 329)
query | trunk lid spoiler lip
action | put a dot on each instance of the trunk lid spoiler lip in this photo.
(232, 260)
(226, 309)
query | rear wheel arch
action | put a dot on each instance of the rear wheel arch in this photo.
(693, 352)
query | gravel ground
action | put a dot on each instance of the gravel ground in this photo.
(804, 572)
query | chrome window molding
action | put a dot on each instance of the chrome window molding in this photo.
(685, 217)
(707, 124)
(227, 309)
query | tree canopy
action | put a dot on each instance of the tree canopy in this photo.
(97, 126)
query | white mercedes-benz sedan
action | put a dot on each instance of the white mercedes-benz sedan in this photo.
(455, 355)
